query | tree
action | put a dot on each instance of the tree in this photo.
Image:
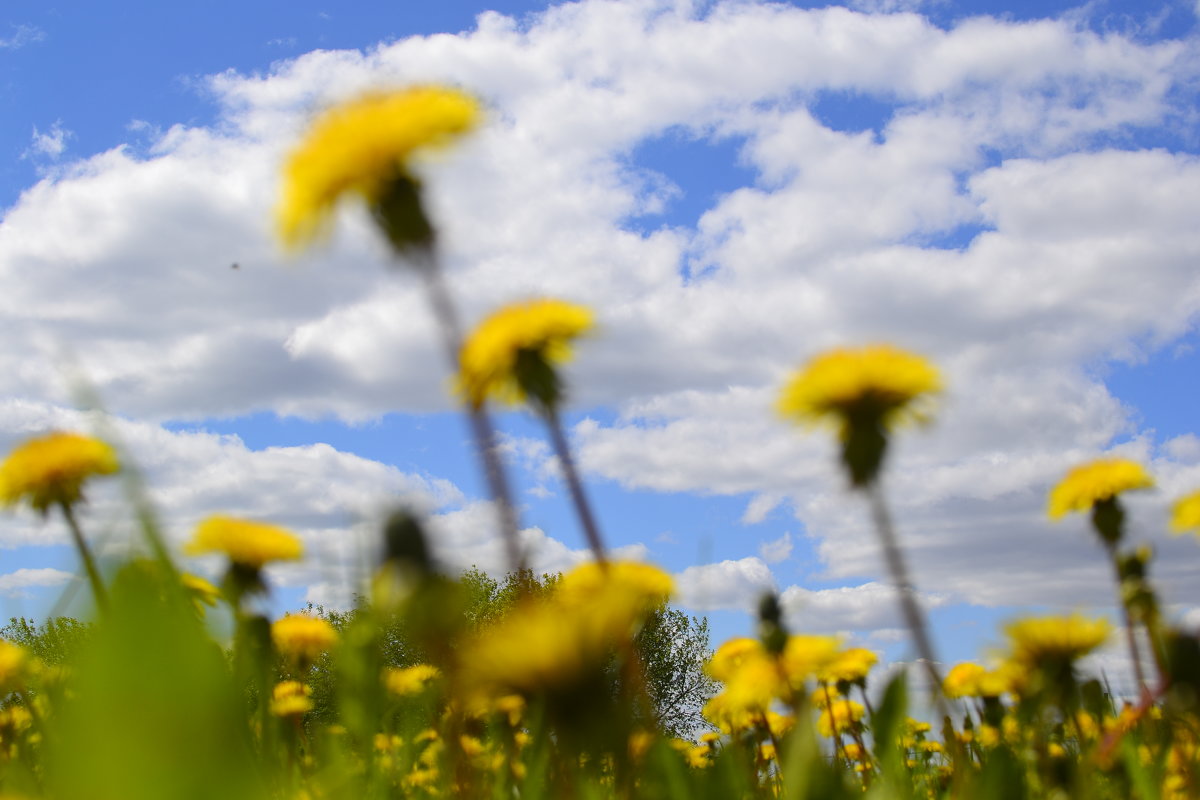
(55, 642)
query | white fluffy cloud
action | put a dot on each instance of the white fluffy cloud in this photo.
(19, 582)
(1080, 247)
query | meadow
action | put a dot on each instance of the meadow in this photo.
(540, 686)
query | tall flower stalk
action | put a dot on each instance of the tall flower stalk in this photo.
(511, 357)
(367, 146)
(865, 393)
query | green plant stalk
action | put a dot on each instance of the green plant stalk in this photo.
(1135, 652)
(85, 553)
(563, 450)
(481, 424)
(913, 615)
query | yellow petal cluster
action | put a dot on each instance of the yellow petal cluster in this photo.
(1185, 514)
(877, 380)
(291, 699)
(852, 664)
(358, 146)
(545, 327)
(303, 638)
(404, 681)
(1038, 640)
(52, 469)
(840, 716)
(1091, 483)
(245, 542)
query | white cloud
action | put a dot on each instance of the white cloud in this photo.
(18, 583)
(776, 550)
(1023, 131)
(868, 607)
(726, 585)
(21, 35)
(50, 144)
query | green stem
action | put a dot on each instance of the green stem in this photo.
(563, 449)
(481, 424)
(85, 553)
(1127, 620)
(913, 614)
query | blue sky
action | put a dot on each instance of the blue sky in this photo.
(1003, 186)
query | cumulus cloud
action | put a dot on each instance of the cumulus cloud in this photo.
(50, 144)
(18, 583)
(999, 217)
(724, 585)
(776, 550)
(867, 607)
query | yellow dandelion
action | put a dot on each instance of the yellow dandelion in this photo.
(511, 355)
(962, 680)
(1185, 514)
(846, 384)
(1039, 640)
(410, 680)
(201, 590)
(14, 665)
(52, 469)
(1095, 482)
(808, 656)
(850, 665)
(841, 716)
(361, 146)
(291, 699)
(245, 542)
(303, 638)
(730, 656)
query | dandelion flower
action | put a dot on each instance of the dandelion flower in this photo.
(846, 384)
(1039, 640)
(404, 681)
(850, 665)
(511, 355)
(864, 393)
(1185, 514)
(303, 638)
(1096, 482)
(841, 716)
(246, 543)
(14, 664)
(52, 469)
(291, 699)
(361, 147)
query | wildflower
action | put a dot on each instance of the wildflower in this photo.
(962, 680)
(291, 699)
(806, 656)
(51, 469)
(1185, 514)
(511, 355)
(302, 638)
(365, 146)
(410, 680)
(1096, 482)
(850, 665)
(202, 592)
(841, 716)
(14, 665)
(1039, 640)
(864, 392)
(246, 543)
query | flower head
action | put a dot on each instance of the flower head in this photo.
(1185, 514)
(361, 147)
(1096, 482)
(302, 638)
(844, 384)
(511, 355)
(52, 469)
(864, 392)
(291, 699)
(1039, 640)
(850, 665)
(405, 681)
(246, 543)
(840, 716)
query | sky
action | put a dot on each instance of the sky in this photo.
(1007, 188)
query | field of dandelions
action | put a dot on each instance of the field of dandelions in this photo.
(549, 698)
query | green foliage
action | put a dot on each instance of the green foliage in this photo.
(57, 641)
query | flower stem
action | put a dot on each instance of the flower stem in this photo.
(481, 424)
(85, 553)
(1135, 653)
(913, 615)
(563, 449)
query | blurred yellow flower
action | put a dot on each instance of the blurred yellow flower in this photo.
(14, 664)
(1038, 640)
(303, 638)
(410, 680)
(52, 469)
(360, 146)
(730, 656)
(1185, 514)
(850, 665)
(1094, 482)
(962, 680)
(245, 542)
(845, 385)
(511, 354)
(201, 590)
(808, 656)
(291, 699)
(842, 715)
